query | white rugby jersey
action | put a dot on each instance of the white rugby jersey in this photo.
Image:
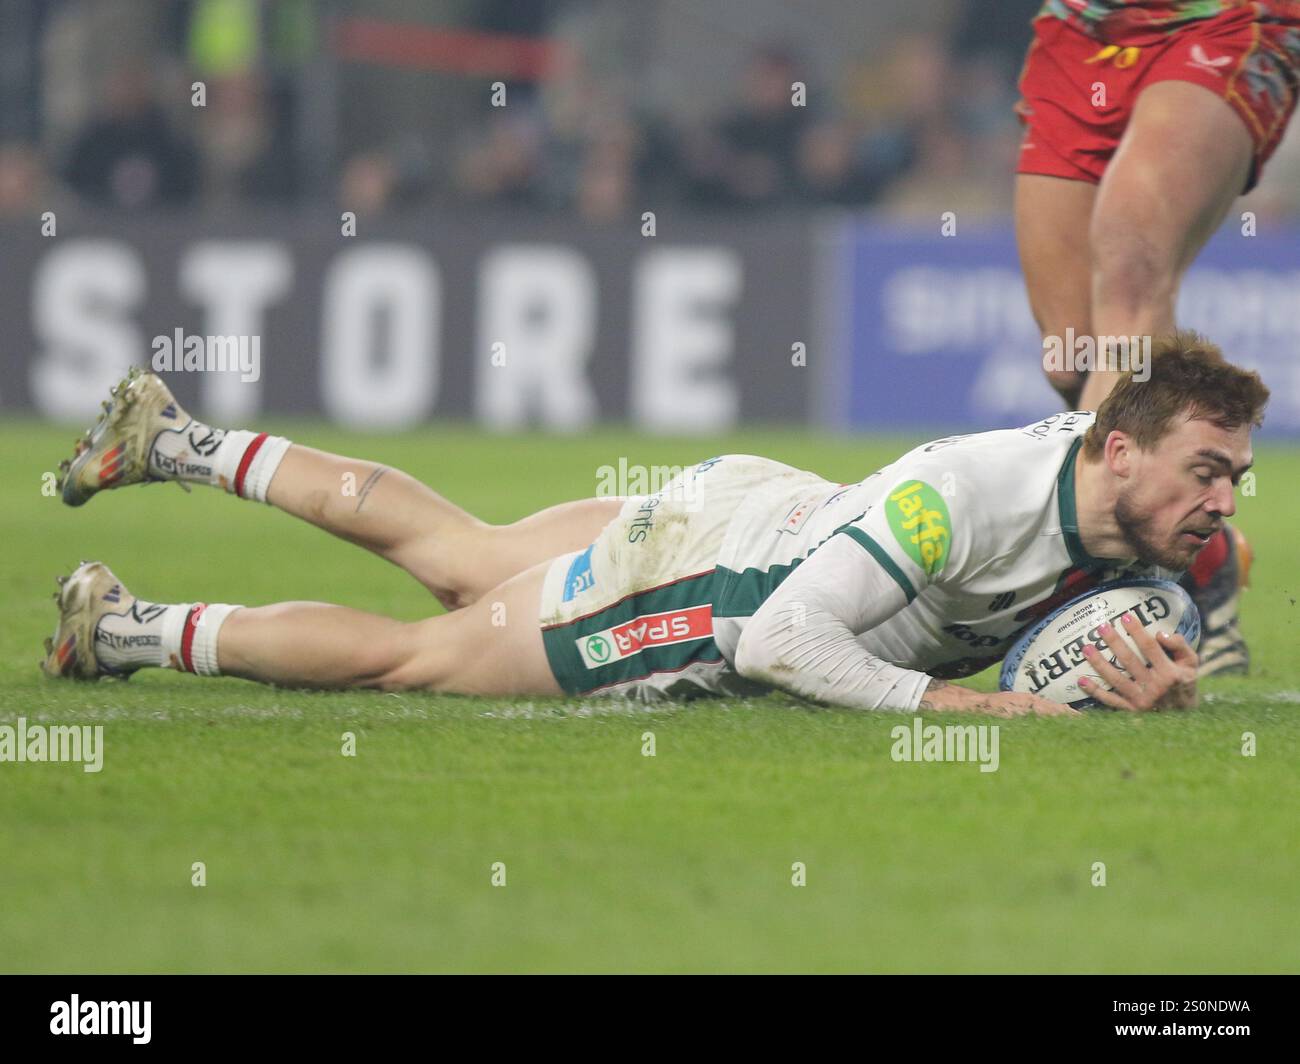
(934, 564)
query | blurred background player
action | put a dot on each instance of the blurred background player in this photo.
(1144, 120)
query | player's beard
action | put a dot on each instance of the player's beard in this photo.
(1139, 532)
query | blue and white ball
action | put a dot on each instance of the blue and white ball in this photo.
(1047, 660)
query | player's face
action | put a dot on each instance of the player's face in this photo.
(1181, 490)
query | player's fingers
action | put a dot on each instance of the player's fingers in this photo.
(1108, 698)
(1112, 675)
(1178, 649)
(1147, 646)
(1144, 685)
(1142, 639)
(1124, 654)
(1043, 707)
(1138, 687)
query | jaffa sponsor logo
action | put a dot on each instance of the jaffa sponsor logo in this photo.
(919, 519)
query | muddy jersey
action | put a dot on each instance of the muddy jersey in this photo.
(978, 534)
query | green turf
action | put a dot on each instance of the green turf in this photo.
(614, 861)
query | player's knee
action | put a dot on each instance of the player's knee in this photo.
(410, 675)
(754, 658)
(417, 660)
(1133, 280)
(400, 678)
(426, 559)
(449, 560)
(484, 557)
(1129, 267)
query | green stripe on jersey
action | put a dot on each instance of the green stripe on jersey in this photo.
(741, 593)
(886, 562)
(576, 678)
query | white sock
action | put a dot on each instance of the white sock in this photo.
(128, 641)
(236, 461)
(182, 636)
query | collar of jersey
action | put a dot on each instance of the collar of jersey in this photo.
(1070, 512)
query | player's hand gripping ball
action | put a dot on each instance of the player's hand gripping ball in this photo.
(1127, 645)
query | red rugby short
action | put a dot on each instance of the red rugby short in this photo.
(1248, 55)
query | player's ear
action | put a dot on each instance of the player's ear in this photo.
(1118, 452)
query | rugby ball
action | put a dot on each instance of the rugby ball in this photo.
(1047, 660)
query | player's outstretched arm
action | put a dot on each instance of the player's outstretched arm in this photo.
(945, 697)
(803, 639)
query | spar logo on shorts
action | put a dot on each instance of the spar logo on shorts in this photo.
(651, 630)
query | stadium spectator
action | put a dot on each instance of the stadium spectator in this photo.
(502, 164)
(923, 124)
(831, 168)
(368, 183)
(608, 179)
(21, 180)
(901, 100)
(750, 157)
(374, 181)
(129, 156)
(248, 56)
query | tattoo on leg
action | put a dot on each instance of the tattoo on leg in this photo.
(371, 481)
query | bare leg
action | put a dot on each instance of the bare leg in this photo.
(493, 647)
(1052, 218)
(1182, 161)
(451, 552)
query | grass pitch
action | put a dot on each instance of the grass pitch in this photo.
(614, 861)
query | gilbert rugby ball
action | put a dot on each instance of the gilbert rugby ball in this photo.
(1047, 660)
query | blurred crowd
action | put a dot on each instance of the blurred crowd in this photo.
(925, 124)
(894, 134)
(117, 124)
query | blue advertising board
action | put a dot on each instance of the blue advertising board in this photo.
(936, 331)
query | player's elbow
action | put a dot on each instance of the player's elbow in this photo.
(756, 658)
